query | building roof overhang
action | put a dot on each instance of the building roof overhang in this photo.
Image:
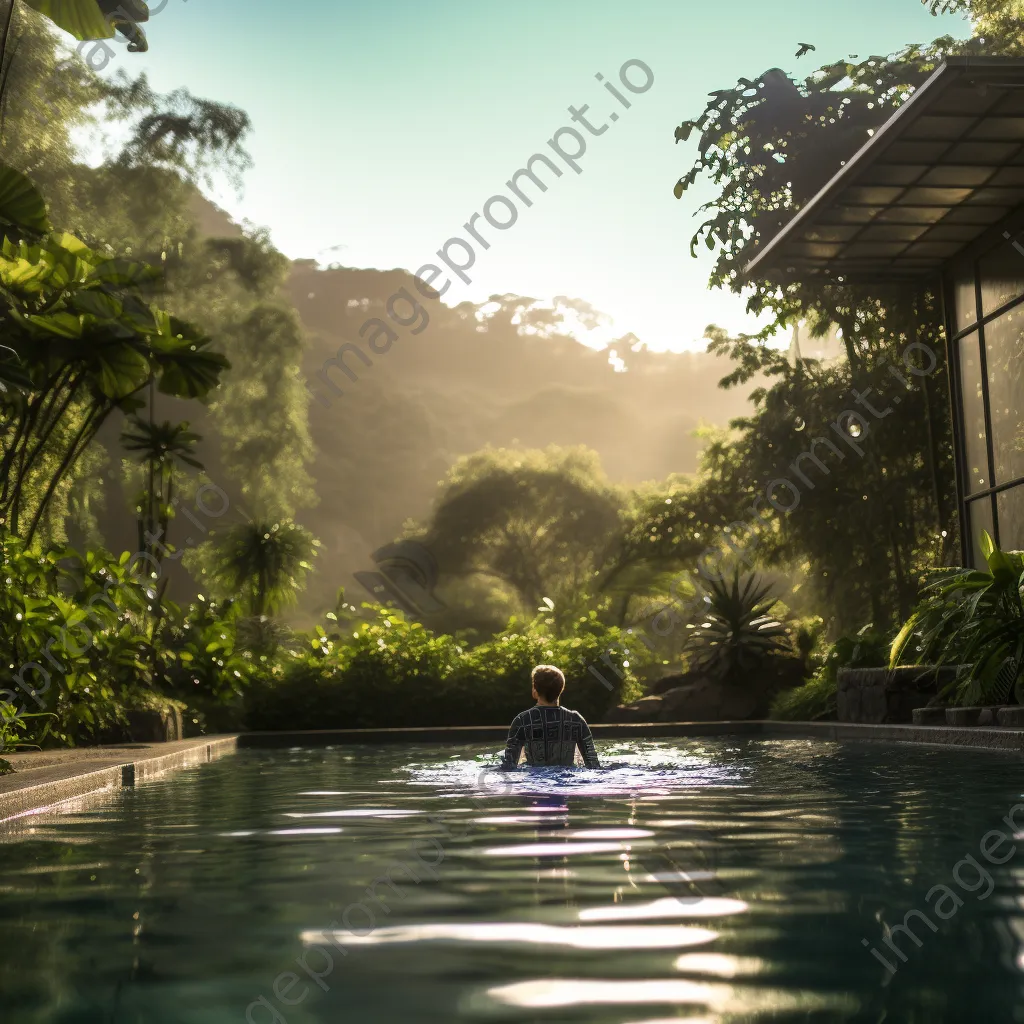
(945, 169)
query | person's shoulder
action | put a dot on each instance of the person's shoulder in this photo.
(574, 714)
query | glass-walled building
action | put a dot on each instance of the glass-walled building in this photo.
(987, 362)
(938, 192)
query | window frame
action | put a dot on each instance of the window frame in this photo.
(956, 273)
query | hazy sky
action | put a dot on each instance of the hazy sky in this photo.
(381, 126)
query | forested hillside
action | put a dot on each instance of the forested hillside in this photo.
(471, 378)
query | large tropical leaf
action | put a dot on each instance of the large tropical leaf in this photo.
(61, 323)
(120, 369)
(975, 619)
(188, 369)
(124, 273)
(21, 203)
(84, 19)
(96, 302)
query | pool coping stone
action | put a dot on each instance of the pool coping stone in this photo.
(44, 780)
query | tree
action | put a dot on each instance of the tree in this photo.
(264, 562)
(86, 342)
(770, 143)
(142, 200)
(546, 529)
(159, 446)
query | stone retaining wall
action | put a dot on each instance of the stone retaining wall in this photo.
(876, 696)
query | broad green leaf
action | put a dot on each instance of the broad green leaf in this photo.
(70, 243)
(81, 18)
(901, 639)
(122, 370)
(97, 302)
(1000, 565)
(124, 273)
(19, 273)
(21, 203)
(64, 324)
(987, 544)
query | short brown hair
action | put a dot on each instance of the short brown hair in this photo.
(548, 681)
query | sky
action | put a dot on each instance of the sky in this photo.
(380, 127)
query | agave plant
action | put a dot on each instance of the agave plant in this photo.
(973, 618)
(737, 632)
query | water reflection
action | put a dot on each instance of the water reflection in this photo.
(705, 880)
(573, 937)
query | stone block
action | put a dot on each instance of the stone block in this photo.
(1011, 717)
(963, 717)
(155, 726)
(882, 695)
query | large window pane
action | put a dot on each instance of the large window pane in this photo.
(1002, 274)
(1004, 351)
(979, 517)
(966, 312)
(1010, 508)
(974, 414)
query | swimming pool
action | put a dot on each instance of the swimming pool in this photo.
(702, 880)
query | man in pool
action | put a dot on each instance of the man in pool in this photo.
(549, 732)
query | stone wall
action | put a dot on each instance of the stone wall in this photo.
(880, 695)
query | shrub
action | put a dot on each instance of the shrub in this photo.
(816, 699)
(71, 644)
(393, 673)
(76, 629)
(974, 618)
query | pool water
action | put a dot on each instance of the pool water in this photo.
(698, 880)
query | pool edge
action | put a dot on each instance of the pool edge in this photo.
(34, 790)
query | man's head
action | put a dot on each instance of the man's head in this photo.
(548, 683)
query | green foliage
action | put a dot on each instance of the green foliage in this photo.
(84, 335)
(974, 618)
(205, 662)
(548, 530)
(816, 699)
(768, 144)
(141, 201)
(736, 633)
(263, 562)
(84, 19)
(73, 627)
(70, 632)
(390, 672)
(864, 525)
(21, 206)
(12, 726)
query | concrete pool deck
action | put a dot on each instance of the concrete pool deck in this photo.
(42, 780)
